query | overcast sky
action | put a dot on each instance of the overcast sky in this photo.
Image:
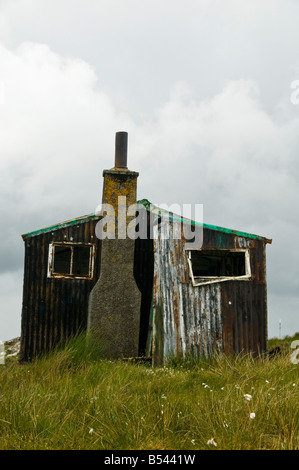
(204, 89)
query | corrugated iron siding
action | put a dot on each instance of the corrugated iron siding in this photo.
(244, 317)
(228, 316)
(54, 309)
(144, 273)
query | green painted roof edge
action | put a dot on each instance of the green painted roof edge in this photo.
(149, 206)
(67, 223)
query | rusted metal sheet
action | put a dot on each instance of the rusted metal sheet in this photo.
(244, 318)
(144, 273)
(177, 318)
(54, 308)
(200, 320)
(190, 317)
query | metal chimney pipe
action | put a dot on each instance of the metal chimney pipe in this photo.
(121, 148)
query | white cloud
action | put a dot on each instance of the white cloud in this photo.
(227, 146)
(55, 122)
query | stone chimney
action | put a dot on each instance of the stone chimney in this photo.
(114, 302)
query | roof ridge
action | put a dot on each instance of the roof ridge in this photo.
(149, 206)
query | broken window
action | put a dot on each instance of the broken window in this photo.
(71, 260)
(62, 259)
(214, 265)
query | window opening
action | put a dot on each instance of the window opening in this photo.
(71, 260)
(62, 259)
(81, 258)
(211, 265)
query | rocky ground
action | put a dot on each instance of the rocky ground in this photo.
(12, 348)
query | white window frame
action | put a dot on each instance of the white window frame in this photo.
(202, 280)
(51, 256)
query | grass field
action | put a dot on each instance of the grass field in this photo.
(71, 400)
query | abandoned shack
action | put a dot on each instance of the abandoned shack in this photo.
(151, 296)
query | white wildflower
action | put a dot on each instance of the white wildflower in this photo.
(247, 396)
(90, 431)
(212, 442)
(193, 441)
(267, 381)
(252, 415)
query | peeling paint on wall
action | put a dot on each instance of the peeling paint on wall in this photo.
(192, 322)
(204, 319)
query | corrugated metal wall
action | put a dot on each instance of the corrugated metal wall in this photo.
(54, 309)
(144, 273)
(228, 316)
(184, 320)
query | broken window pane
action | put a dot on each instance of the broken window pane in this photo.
(62, 259)
(71, 260)
(218, 263)
(81, 258)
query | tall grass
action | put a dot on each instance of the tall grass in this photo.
(72, 400)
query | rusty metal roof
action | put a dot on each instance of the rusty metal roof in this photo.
(150, 207)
